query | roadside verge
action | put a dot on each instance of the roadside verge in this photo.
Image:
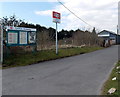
(112, 85)
(46, 55)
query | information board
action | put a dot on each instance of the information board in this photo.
(20, 36)
(23, 37)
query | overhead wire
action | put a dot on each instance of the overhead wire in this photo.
(74, 14)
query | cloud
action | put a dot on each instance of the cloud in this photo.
(27, 0)
(45, 13)
(101, 14)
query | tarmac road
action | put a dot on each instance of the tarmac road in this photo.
(77, 75)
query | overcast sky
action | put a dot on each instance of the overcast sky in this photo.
(102, 14)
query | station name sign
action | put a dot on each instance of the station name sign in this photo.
(56, 17)
(20, 28)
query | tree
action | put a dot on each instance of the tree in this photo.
(94, 31)
(52, 33)
(11, 21)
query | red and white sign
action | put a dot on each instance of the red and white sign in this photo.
(56, 17)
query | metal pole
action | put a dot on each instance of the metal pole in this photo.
(56, 40)
(117, 34)
(1, 43)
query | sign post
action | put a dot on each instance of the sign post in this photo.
(117, 35)
(56, 19)
(56, 40)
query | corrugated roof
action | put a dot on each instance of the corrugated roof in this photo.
(107, 31)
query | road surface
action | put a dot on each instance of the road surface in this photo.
(77, 75)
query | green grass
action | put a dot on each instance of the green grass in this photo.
(112, 84)
(32, 58)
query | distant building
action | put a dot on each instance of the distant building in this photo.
(109, 37)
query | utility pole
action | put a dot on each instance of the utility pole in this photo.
(1, 42)
(117, 34)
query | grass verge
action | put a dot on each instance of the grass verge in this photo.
(112, 84)
(32, 58)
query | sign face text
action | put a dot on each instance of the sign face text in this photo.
(12, 38)
(23, 37)
(56, 17)
(20, 28)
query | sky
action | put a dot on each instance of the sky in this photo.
(102, 14)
